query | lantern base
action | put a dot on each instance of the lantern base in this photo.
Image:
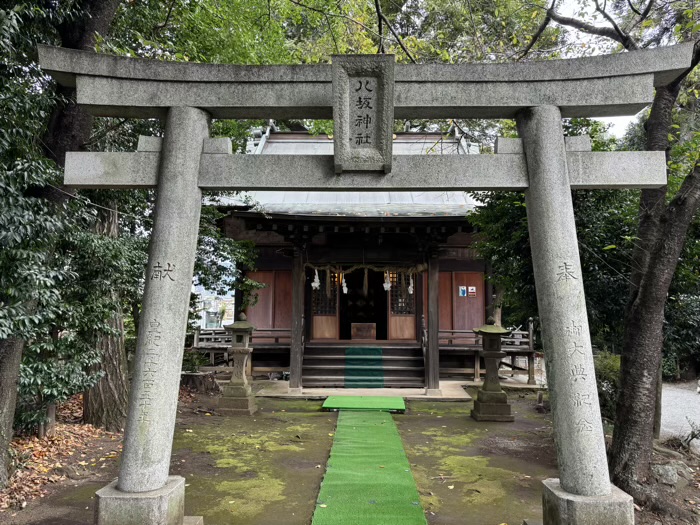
(492, 406)
(237, 399)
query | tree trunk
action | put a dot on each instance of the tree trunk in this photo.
(69, 129)
(662, 232)
(10, 359)
(105, 404)
(498, 304)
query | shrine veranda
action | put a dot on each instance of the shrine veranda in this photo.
(363, 94)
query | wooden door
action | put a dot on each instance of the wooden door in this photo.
(468, 311)
(324, 310)
(283, 300)
(261, 315)
(401, 310)
(457, 311)
(273, 308)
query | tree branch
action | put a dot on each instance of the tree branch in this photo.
(625, 39)
(538, 33)
(646, 11)
(330, 28)
(629, 2)
(607, 32)
(398, 39)
(693, 63)
(378, 8)
(158, 27)
(536, 37)
(336, 15)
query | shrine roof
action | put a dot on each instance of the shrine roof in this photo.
(358, 204)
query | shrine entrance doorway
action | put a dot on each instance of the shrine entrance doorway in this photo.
(363, 310)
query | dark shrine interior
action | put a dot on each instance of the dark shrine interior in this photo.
(355, 307)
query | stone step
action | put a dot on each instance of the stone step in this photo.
(362, 367)
(388, 381)
(314, 362)
(355, 357)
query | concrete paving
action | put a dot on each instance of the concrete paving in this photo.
(680, 402)
(450, 391)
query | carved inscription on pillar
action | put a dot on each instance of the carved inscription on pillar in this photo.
(363, 112)
(151, 367)
(578, 357)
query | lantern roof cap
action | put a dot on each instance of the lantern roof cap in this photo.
(241, 325)
(491, 328)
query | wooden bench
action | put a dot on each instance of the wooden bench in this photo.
(519, 343)
(215, 343)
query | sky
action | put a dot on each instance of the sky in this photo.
(619, 124)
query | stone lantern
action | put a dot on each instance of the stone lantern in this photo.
(491, 403)
(237, 396)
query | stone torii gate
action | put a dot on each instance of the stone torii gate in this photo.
(363, 94)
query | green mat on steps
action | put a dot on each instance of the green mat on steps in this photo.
(387, 404)
(364, 367)
(368, 478)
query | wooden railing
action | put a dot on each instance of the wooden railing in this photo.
(216, 342)
(519, 343)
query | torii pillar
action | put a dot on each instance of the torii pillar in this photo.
(144, 492)
(583, 494)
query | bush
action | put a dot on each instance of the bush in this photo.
(192, 360)
(607, 371)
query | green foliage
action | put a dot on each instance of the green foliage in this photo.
(192, 360)
(605, 228)
(607, 373)
(233, 32)
(682, 314)
(42, 245)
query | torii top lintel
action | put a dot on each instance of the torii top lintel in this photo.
(609, 85)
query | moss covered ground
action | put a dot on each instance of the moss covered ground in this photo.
(267, 468)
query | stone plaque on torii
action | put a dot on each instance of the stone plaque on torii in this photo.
(542, 163)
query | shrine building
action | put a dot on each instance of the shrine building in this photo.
(364, 258)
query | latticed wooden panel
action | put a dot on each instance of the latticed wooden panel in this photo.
(323, 302)
(402, 302)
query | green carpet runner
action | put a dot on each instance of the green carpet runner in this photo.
(368, 478)
(364, 367)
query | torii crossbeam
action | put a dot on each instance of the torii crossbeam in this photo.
(187, 161)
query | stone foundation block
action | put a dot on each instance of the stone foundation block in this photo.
(237, 405)
(564, 508)
(236, 391)
(165, 506)
(492, 397)
(492, 412)
(193, 520)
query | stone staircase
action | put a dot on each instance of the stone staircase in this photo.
(399, 365)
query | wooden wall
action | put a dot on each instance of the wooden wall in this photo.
(274, 306)
(459, 313)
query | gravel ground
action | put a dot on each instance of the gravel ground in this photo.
(680, 401)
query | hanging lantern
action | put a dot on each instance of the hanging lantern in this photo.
(316, 284)
(410, 285)
(387, 282)
(345, 285)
